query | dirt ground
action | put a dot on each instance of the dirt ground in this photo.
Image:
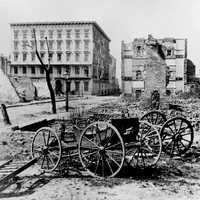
(172, 178)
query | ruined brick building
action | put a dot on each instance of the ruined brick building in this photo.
(144, 69)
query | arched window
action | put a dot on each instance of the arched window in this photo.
(138, 75)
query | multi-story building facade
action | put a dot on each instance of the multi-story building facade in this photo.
(80, 48)
(135, 61)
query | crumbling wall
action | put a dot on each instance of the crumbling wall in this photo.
(24, 88)
(155, 71)
(7, 92)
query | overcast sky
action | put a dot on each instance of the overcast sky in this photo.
(120, 19)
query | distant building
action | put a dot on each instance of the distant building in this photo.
(135, 65)
(81, 48)
(4, 63)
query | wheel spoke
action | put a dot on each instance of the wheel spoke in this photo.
(89, 154)
(55, 155)
(48, 138)
(171, 129)
(183, 129)
(182, 144)
(91, 142)
(97, 164)
(43, 133)
(174, 122)
(173, 147)
(109, 166)
(102, 161)
(47, 162)
(111, 158)
(185, 140)
(186, 134)
(113, 145)
(50, 158)
(142, 157)
(180, 126)
(43, 161)
(168, 144)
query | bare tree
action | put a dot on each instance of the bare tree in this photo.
(47, 69)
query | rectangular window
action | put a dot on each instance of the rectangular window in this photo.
(50, 34)
(77, 57)
(32, 70)
(138, 94)
(42, 44)
(59, 70)
(77, 33)
(32, 34)
(77, 44)
(77, 70)
(50, 44)
(86, 71)
(50, 56)
(59, 44)
(51, 70)
(16, 45)
(86, 33)
(68, 69)
(16, 34)
(86, 45)
(41, 71)
(24, 70)
(16, 56)
(24, 56)
(86, 84)
(32, 56)
(69, 33)
(138, 75)
(86, 56)
(68, 44)
(15, 70)
(59, 56)
(68, 56)
(42, 34)
(139, 51)
(77, 84)
(32, 44)
(24, 44)
(24, 32)
(42, 54)
(59, 34)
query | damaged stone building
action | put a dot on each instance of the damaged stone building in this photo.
(144, 69)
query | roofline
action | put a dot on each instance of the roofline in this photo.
(61, 23)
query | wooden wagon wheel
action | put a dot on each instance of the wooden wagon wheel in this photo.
(101, 149)
(146, 149)
(177, 136)
(46, 146)
(154, 117)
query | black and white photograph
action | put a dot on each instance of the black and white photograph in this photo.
(99, 100)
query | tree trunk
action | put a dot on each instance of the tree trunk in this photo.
(5, 114)
(51, 91)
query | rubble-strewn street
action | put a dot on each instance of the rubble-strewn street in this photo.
(171, 178)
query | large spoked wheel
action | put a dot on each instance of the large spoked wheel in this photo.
(146, 150)
(177, 136)
(46, 146)
(101, 149)
(154, 117)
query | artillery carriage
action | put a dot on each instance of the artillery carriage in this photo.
(106, 143)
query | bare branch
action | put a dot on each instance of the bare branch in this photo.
(36, 51)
